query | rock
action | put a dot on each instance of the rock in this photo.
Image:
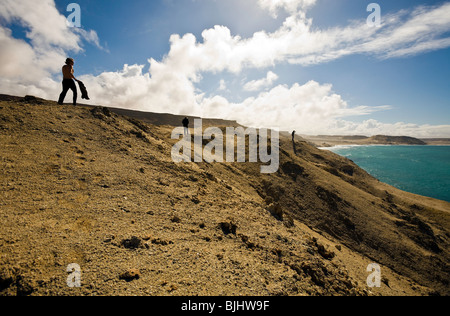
(321, 249)
(268, 200)
(228, 228)
(32, 100)
(278, 254)
(6, 279)
(133, 243)
(276, 210)
(163, 182)
(288, 221)
(247, 242)
(275, 191)
(348, 170)
(292, 169)
(158, 241)
(109, 238)
(326, 254)
(101, 113)
(193, 178)
(172, 287)
(139, 134)
(315, 272)
(210, 177)
(195, 200)
(147, 237)
(130, 275)
(25, 286)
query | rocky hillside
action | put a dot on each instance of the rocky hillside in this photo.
(88, 186)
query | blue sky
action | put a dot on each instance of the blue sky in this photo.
(344, 78)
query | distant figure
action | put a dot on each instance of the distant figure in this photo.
(293, 142)
(68, 82)
(186, 126)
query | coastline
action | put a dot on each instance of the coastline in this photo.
(330, 148)
(367, 157)
(329, 141)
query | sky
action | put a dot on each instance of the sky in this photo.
(315, 66)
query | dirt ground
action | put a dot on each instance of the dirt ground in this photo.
(87, 186)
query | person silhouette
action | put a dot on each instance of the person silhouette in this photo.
(186, 126)
(293, 142)
(68, 82)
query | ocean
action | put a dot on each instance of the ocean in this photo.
(423, 170)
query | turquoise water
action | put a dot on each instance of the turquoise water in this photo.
(423, 170)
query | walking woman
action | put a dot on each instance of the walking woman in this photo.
(68, 82)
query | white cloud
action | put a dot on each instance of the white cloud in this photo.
(307, 107)
(256, 85)
(290, 6)
(422, 30)
(46, 27)
(373, 127)
(49, 40)
(133, 88)
(297, 42)
(222, 85)
(90, 36)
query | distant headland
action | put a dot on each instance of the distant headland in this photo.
(330, 141)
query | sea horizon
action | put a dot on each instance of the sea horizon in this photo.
(377, 145)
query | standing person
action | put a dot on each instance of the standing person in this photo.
(68, 82)
(293, 142)
(186, 126)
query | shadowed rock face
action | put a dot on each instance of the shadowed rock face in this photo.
(89, 186)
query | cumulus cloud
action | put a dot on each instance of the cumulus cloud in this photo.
(222, 85)
(290, 6)
(45, 25)
(133, 88)
(256, 85)
(48, 39)
(298, 42)
(308, 107)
